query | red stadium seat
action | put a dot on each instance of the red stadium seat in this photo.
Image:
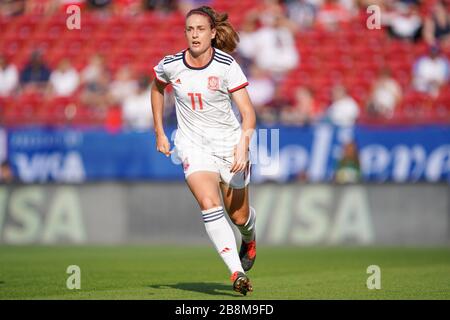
(415, 107)
(441, 106)
(22, 110)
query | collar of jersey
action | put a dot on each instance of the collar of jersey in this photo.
(198, 68)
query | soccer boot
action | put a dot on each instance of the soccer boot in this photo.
(247, 254)
(241, 283)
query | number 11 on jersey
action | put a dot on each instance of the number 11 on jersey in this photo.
(199, 96)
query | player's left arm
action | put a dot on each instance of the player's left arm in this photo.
(245, 106)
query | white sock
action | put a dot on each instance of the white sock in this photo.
(222, 236)
(248, 230)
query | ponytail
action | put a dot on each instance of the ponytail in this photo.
(226, 38)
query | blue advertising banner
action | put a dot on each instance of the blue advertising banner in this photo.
(401, 154)
(40, 155)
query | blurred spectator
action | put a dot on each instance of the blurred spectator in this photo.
(64, 80)
(303, 111)
(274, 47)
(36, 73)
(302, 12)
(350, 5)
(164, 6)
(269, 114)
(99, 4)
(12, 8)
(102, 8)
(128, 7)
(415, 2)
(123, 85)
(348, 169)
(385, 95)
(261, 88)
(365, 3)
(41, 7)
(404, 22)
(331, 14)
(9, 77)
(246, 39)
(136, 111)
(431, 72)
(95, 94)
(343, 110)
(94, 69)
(95, 79)
(437, 26)
(268, 11)
(6, 173)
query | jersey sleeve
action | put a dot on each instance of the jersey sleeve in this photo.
(236, 78)
(160, 73)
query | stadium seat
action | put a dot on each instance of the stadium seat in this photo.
(441, 106)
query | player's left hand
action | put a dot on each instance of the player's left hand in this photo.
(240, 158)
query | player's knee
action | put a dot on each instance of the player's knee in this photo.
(239, 217)
(208, 203)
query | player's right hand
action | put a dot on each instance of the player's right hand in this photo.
(163, 145)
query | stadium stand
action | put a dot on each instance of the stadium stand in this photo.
(351, 55)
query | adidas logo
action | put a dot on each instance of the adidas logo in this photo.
(226, 249)
(178, 81)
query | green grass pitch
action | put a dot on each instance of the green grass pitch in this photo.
(171, 272)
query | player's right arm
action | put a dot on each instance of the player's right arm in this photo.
(157, 99)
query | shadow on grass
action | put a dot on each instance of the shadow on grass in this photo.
(210, 288)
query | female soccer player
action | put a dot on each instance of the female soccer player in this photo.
(210, 142)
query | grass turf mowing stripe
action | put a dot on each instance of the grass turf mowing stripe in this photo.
(170, 272)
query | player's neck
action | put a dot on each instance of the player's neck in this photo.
(200, 60)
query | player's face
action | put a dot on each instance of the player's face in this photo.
(199, 33)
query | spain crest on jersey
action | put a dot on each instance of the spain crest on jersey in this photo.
(213, 83)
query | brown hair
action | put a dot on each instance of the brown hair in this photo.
(226, 37)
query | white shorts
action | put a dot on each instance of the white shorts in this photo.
(194, 160)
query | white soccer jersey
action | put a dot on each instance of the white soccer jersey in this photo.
(203, 100)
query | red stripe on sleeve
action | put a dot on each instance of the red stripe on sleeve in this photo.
(237, 88)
